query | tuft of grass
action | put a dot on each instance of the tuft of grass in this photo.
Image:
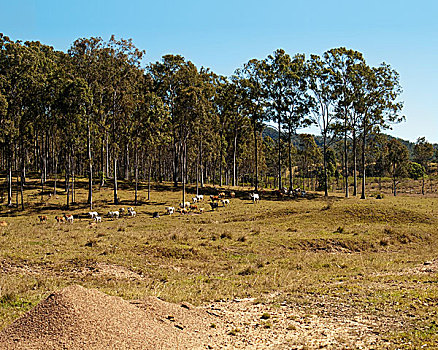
(265, 316)
(226, 235)
(234, 331)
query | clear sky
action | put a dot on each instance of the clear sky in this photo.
(225, 34)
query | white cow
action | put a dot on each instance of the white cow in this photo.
(255, 197)
(170, 210)
(93, 214)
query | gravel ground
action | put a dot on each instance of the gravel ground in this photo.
(79, 318)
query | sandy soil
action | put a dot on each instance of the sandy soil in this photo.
(79, 318)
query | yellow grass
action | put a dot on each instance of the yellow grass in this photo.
(366, 255)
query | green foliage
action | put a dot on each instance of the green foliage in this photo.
(415, 170)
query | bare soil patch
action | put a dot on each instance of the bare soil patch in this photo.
(79, 318)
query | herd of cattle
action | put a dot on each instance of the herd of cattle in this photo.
(93, 215)
(194, 207)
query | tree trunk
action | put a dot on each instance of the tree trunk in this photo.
(256, 182)
(9, 155)
(116, 199)
(422, 186)
(102, 165)
(325, 165)
(198, 160)
(160, 165)
(289, 144)
(67, 181)
(183, 170)
(175, 160)
(149, 178)
(202, 165)
(106, 156)
(90, 166)
(127, 162)
(136, 173)
(354, 164)
(56, 176)
(364, 138)
(234, 159)
(346, 159)
(279, 153)
(22, 186)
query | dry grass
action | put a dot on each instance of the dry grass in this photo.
(346, 255)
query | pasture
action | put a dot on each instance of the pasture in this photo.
(343, 257)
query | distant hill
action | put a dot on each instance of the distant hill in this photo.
(272, 133)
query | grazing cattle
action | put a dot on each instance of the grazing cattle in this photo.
(114, 214)
(132, 213)
(200, 197)
(98, 219)
(170, 210)
(93, 214)
(255, 197)
(43, 218)
(68, 218)
(60, 219)
(279, 194)
(183, 211)
(222, 195)
(185, 205)
(193, 207)
(225, 202)
(232, 194)
(122, 211)
(214, 205)
(155, 215)
(195, 199)
(214, 198)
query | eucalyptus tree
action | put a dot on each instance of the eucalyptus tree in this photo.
(398, 158)
(18, 70)
(309, 154)
(205, 124)
(124, 61)
(377, 89)
(166, 85)
(323, 94)
(146, 126)
(344, 65)
(238, 123)
(253, 101)
(73, 102)
(86, 62)
(190, 105)
(288, 102)
(423, 154)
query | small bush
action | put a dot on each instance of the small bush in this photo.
(265, 316)
(234, 331)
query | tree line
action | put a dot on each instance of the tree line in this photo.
(98, 111)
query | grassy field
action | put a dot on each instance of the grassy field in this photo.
(374, 257)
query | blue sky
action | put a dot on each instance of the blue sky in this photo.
(225, 34)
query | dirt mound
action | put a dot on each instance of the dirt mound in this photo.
(80, 318)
